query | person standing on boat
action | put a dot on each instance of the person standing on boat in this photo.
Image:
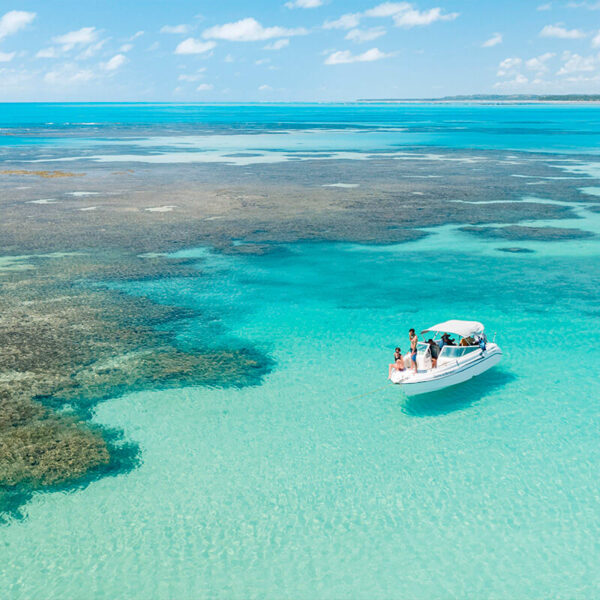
(413, 348)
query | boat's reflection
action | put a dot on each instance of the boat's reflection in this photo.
(458, 397)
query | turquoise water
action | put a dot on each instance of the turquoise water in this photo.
(323, 481)
(305, 487)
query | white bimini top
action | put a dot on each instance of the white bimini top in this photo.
(462, 328)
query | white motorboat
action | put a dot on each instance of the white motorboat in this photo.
(456, 362)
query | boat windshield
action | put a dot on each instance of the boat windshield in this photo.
(457, 351)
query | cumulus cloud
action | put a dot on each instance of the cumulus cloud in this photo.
(192, 46)
(519, 80)
(574, 63)
(365, 35)
(406, 15)
(249, 30)
(345, 56)
(6, 56)
(415, 18)
(278, 44)
(126, 48)
(80, 37)
(538, 63)
(304, 4)
(596, 40)
(508, 65)
(192, 76)
(493, 41)
(547, 6)
(68, 74)
(91, 50)
(13, 21)
(388, 9)
(115, 62)
(175, 29)
(47, 53)
(265, 88)
(559, 31)
(205, 87)
(348, 21)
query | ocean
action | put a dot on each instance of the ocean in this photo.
(318, 478)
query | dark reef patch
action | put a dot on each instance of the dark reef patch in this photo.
(66, 345)
(522, 233)
(516, 250)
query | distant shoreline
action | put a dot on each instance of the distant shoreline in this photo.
(481, 99)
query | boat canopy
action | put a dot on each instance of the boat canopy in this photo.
(462, 328)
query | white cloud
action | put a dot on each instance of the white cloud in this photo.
(415, 18)
(508, 65)
(518, 81)
(175, 29)
(348, 21)
(205, 87)
(47, 53)
(126, 48)
(262, 61)
(115, 62)
(85, 35)
(192, 76)
(388, 9)
(229, 59)
(405, 14)
(265, 88)
(588, 5)
(91, 50)
(14, 21)
(6, 56)
(192, 46)
(547, 6)
(304, 4)
(559, 31)
(136, 35)
(345, 57)
(574, 63)
(365, 35)
(68, 74)
(277, 45)
(596, 40)
(249, 30)
(538, 63)
(493, 41)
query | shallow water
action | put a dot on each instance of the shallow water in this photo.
(324, 481)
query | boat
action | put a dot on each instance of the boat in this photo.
(457, 362)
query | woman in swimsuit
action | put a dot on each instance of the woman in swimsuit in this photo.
(398, 363)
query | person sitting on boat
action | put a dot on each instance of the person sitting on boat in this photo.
(434, 350)
(413, 348)
(447, 341)
(398, 363)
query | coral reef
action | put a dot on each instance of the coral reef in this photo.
(67, 344)
(44, 174)
(521, 232)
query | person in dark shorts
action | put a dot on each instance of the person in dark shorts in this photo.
(434, 350)
(398, 363)
(412, 336)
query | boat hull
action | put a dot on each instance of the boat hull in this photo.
(434, 380)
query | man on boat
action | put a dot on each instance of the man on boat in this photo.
(413, 348)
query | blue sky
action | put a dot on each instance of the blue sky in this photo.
(294, 50)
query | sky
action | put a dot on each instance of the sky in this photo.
(294, 50)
